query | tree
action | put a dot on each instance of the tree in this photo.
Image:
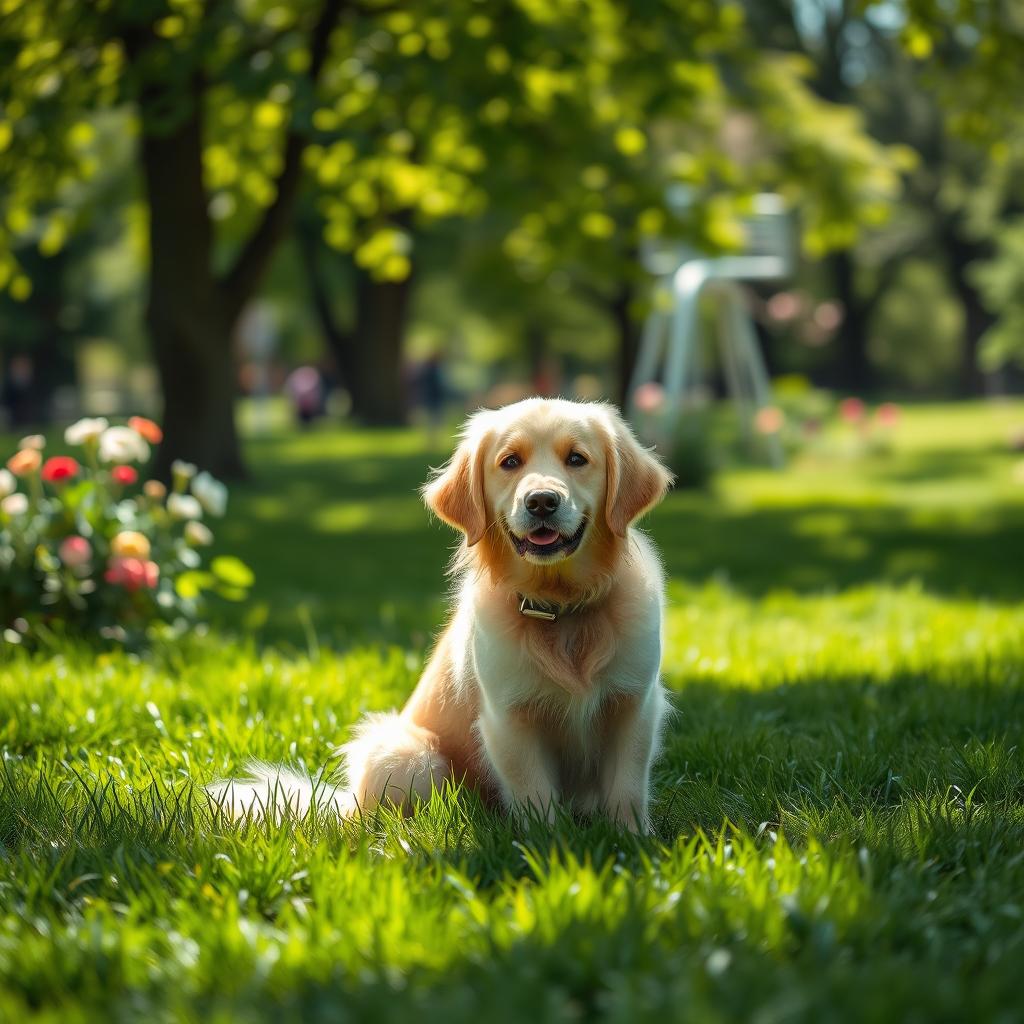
(180, 67)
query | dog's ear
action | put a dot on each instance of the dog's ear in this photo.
(456, 494)
(636, 480)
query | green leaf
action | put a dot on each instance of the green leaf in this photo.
(191, 584)
(232, 571)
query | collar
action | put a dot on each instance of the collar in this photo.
(546, 611)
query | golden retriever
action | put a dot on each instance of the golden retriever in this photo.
(544, 687)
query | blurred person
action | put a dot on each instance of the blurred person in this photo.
(431, 392)
(304, 386)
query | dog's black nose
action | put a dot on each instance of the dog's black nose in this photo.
(542, 503)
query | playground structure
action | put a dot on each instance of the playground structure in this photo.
(671, 347)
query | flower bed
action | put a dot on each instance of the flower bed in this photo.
(88, 549)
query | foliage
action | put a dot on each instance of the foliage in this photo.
(973, 51)
(86, 553)
(438, 112)
(839, 817)
(1001, 280)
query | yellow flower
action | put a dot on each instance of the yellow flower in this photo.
(24, 462)
(130, 544)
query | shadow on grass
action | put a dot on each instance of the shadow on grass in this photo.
(938, 464)
(343, 546)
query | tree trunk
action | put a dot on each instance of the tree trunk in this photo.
(189, 324)
(627, 332)
(198, 374)
(378, 386)
(338, 342)
(852, 369)
(191, 311)
(961, 253)
(368, 356)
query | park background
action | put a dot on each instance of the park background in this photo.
(434, 206)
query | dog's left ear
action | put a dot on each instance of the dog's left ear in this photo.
(636, 479)
(456, 494)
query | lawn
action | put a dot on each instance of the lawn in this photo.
(840, 804)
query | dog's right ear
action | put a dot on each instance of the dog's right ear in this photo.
(636, 480)
(456, 494)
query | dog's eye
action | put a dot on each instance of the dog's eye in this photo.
(511, 462)
(575, 459)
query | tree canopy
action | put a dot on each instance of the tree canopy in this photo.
(557, 126)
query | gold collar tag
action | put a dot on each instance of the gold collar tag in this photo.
(536, 613)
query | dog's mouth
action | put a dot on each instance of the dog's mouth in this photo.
(546, 541)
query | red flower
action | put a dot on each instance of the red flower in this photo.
(124, 475)
(851, 410)
(132, 573)
(146, 428)
(58, 468)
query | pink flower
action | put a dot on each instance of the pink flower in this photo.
(59, 468)
(851, 410)
(75, 551)
(785, 306)
(132, 573)
(888, 415)
(769, 420)
(124, 475)
(649, 397)
(828, 315)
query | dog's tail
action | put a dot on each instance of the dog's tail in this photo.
(389, 760)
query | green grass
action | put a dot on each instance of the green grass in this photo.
(840, 805)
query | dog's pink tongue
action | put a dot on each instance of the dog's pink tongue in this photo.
(544, 535)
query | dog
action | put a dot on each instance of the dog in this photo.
(544, 688)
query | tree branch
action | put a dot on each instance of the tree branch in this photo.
(339, 341)
(241, 279)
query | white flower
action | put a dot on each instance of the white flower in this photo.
(186, 470)
(198, 535)
(14, 504)
(212, 494)
(36, 441)
(85, 430)
(184, 506)
(122, 444)
(8, 484)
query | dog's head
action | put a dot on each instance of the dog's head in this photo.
(546, 483)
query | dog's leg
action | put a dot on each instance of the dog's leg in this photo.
(522, 766)
(632, 737)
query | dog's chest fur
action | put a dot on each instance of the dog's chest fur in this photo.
(570, 666)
